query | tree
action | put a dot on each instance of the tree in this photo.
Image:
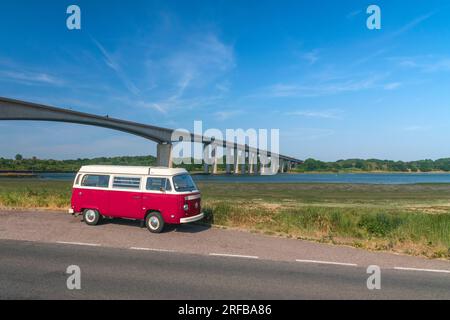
(18, 157)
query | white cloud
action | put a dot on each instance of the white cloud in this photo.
(325, 114)
(415, 128)
(31, 78)
(193, 72)
(410, 25)
(201, 59)
(306, 134)
(353, 14)
(225, 115)
(392, 85)
(425, 63)
(321, 88)
(114, 65)
(312, 56)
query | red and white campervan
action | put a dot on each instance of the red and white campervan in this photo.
(155, 195)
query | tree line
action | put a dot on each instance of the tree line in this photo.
(370, 165)
(19, 163)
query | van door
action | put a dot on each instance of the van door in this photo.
(158, 197)
(125, 198)
(93, 193)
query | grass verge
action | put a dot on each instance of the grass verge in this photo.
(411, 219)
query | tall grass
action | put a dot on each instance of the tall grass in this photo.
(407, 232)
(34, 194)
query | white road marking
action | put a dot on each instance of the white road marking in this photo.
(151, 249)
(233, 255)
(80, 243)
(424, 270)
(328, 262)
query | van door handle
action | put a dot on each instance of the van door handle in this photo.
(136, 197)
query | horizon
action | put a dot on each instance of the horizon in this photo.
(334, 88)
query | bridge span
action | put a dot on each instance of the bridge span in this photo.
(11, 109)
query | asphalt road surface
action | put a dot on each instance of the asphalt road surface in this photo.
(121, 260)
(31, 270)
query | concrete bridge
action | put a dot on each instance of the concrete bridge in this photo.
(246, 158)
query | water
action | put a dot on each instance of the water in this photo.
(360, 178)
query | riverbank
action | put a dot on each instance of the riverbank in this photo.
(17, 175)
(410, 219)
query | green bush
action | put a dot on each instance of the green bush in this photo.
(380, 224)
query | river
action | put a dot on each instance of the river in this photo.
(360, 178)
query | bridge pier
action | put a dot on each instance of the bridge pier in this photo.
(228, 159)
(236, 161)
(214, 157)
(274, 165)
(244, 160)
(164, 155)
(251, 162)
(281, 166)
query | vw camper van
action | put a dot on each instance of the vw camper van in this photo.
(154, 195)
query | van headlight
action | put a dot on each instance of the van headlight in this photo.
(186, 207)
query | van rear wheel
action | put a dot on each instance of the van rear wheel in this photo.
(91, 217)
(154, 222)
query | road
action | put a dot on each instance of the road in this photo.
(121, 260)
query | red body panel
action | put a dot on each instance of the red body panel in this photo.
(124, 204)
(136, 204)
(89, 199)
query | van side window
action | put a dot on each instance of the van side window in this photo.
(99, 181)
(155, 184)
(77, 181)
(126, 183)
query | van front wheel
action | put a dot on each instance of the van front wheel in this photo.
(154, 222)
(91, 217)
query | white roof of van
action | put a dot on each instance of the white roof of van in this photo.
(160, 171)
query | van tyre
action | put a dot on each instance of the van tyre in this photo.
(91, 217)
(154, 222)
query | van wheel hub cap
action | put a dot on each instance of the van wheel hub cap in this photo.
(90, 216)
(154, 223)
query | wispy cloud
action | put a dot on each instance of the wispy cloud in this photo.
(425, 63)
(353, 14)
(321, 88)
(31, 78)
(151, 105)
(392, 85)
(200, 60)
(325, 114)
(225, 115)
(115, 66)
(311, 56)
(306, 134)
(410, 25)
(193, 72)
(415, 128)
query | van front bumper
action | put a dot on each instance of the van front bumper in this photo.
(193, 218)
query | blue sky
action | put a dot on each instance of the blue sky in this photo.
(334, 88)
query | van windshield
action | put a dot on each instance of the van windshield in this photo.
(184, 182)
